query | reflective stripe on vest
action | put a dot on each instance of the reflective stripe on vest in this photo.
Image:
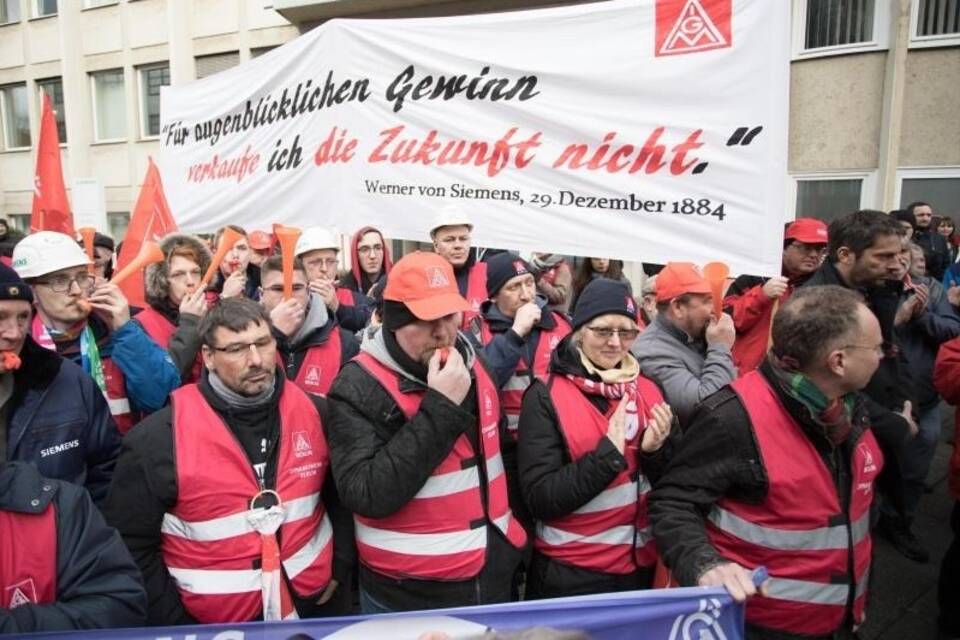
(320, 365)
(28, 578)
(511, 393)
(441, 533)
(161, 330)
(208, 545)
(476, 293)
(610, 533)
(799, 532)
(116, 394)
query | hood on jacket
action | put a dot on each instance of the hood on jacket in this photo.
(155, 279)
(376, 347)
(355, 269)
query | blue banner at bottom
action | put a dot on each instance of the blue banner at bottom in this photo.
(665, 614)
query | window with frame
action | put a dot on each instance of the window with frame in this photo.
(209, 65)
(53, 87)
(834, 23)
(43, 8)
(936, 20)
(9, 11)
(109, 105)
(151, 79)
(828, 199)
(118, 221)
(15, 116)
(942, 193)
(93, 4)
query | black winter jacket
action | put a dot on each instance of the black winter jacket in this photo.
(381, 460)
(293, 356)
(98, 584)
(59, 421)
(145, 487)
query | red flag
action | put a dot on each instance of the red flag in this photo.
(51, 211)
(151, 220)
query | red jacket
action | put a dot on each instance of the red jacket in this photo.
(946, 378)
(800, 531)
(752, 313)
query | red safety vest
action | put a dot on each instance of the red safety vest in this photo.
(611, 533)
(799, 531)
(511, 394)
(345, 296)
(320, 365)
(208, 546)
(441, 534)
(476, 292)
(160, 329)
(28, 578)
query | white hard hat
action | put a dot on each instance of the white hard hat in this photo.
(45, 252)
(314, 238)
(450, 216)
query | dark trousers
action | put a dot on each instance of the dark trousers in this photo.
(948, 590)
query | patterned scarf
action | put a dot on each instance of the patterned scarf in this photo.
(834, 416)
(614, 383)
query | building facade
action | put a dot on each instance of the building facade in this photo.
(875, 88)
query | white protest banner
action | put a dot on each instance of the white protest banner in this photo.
(648, 130)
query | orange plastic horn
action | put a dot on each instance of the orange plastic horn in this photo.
(150, 253)
(88, 233)
(227, 240)
(287, 237)
(716, 274)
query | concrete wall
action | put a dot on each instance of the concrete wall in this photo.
(931, 123)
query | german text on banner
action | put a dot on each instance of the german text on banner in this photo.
(662, 614)
(648, 130)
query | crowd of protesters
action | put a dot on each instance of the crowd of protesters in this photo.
(465, 426)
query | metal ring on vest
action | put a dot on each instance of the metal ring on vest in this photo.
(266, 492)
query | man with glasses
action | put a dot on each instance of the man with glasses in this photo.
(177, 302)
(777, 470)
(687, 349)
(203, 485)
(751, 301)
(88, 321)
(53, 415)
(311, 344)
(318, 249)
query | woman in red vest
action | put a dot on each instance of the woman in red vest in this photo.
(589, 436)
(176, 303)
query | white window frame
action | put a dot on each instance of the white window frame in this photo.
(879, 42)
(93, 101)
(868, 186)
(4, 118)
(88, 4)
(16, 2)
(141, 98)
(35, 10)
(914, 173)
(925, 42)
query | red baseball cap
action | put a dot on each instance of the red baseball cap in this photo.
(807, 231)
(260, 240)
(678, 278)
(425, 284)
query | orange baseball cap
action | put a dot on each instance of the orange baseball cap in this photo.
(678, 278)
(260, 240)
(425, 284)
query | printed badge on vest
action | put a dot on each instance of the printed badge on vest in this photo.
(21, 593)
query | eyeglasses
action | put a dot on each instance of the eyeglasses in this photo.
(803, 247)
(365, 251)
(322, 262)
(622, 334)
(62, 283)
(278, 288)
(237, 349)
(878, 349)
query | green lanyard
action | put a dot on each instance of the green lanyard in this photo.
(90, 356)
